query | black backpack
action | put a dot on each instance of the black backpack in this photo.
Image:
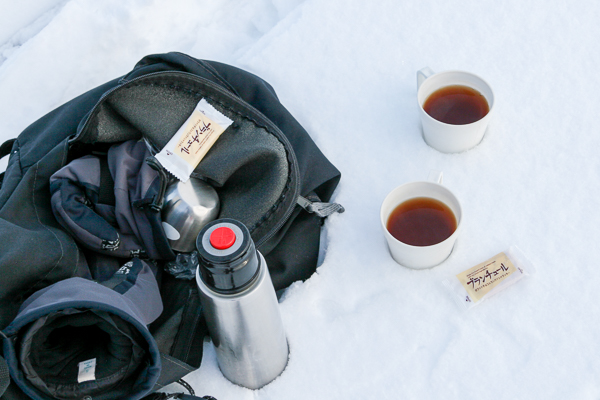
(267, 170)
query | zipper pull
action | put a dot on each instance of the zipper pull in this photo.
(157, 202)
(323, 210)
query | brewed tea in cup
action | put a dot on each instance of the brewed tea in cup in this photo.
(456, 105)
(455, 109)
(421, 221)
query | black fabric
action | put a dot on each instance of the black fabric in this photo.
(287, 236)
(302, 233)
(52, 350)
(180, 330)
(4, 376)
(26, 223)
(6, 147)
(172, 370)
(106, 194)
(77, 320)
(181, 396)
(5, 150)
(126, 277)
(14, 393)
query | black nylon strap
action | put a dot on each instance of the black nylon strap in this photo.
(106, 192)
(180, 396)
(5, 149)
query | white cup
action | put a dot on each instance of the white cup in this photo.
(444, 137)
(419, 257)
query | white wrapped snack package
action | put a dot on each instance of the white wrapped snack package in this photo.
(192, 141)
(471, 287)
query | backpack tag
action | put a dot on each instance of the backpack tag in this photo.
(192, 141)
(87, 371)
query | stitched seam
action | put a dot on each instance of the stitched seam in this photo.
(62, 253)
(175, 361)
(180, 325)
(19, 160)
(188, 343)
(77, 252)
(17, 155)
(208, 68)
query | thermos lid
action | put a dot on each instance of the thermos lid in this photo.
(222, 238)
(227, 257)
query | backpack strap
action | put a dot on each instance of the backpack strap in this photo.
(6, 147)
(172, 370)
(180, 396)
(5, 150)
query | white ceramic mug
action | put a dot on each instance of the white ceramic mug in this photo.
(419, 257)
(444, 137)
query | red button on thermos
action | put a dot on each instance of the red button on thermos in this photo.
(222, 238)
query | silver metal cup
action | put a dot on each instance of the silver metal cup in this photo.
(188, 207)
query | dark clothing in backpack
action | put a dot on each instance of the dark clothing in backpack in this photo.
(262, 166)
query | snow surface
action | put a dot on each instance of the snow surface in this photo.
(364, 327)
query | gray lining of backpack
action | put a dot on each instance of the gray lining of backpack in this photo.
(251, 166)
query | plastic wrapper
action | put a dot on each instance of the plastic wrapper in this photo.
(476, 284)
(192, 141)
(184, 266)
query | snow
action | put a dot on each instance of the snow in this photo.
(364, 327)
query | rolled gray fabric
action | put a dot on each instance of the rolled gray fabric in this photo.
(119, 224)
(81, 338)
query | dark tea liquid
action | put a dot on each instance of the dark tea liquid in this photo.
(421, 221)
(456, 105)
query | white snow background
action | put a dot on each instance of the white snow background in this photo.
(363, 327)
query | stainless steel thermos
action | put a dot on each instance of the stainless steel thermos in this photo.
(240, 305)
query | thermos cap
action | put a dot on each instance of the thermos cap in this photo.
(222, 238)
(188, 207)
(227, 257)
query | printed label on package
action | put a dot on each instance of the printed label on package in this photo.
(197, 138)
(483, 278)
(192, 141)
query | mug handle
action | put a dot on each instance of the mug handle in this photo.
(435, 176)
(423, 74)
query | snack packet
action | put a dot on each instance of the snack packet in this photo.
(476, 284)
(192, 141)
